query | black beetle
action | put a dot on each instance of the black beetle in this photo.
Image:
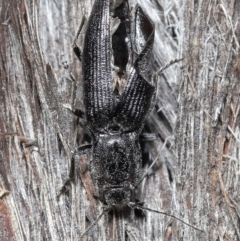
(114, 118)
(115, 121)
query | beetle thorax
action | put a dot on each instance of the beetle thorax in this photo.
(116, 159)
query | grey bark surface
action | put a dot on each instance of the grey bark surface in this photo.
(207, 129)
(196, 117)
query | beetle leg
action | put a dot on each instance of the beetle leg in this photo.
(77, 52)
(79, 113)
(148, 136)
(173, 61)
(71, 176)
(76, 49)
(170, 171)
(84, 149)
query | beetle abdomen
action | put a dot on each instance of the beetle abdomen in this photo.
(97, 76)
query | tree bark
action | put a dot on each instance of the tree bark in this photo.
(207, 129)
(196, 173)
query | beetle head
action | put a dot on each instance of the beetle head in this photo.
(118, 197)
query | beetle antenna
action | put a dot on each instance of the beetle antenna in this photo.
(138, 206)
(105, 210)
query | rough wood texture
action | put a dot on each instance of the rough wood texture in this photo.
(37, 133)
(207, 130)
